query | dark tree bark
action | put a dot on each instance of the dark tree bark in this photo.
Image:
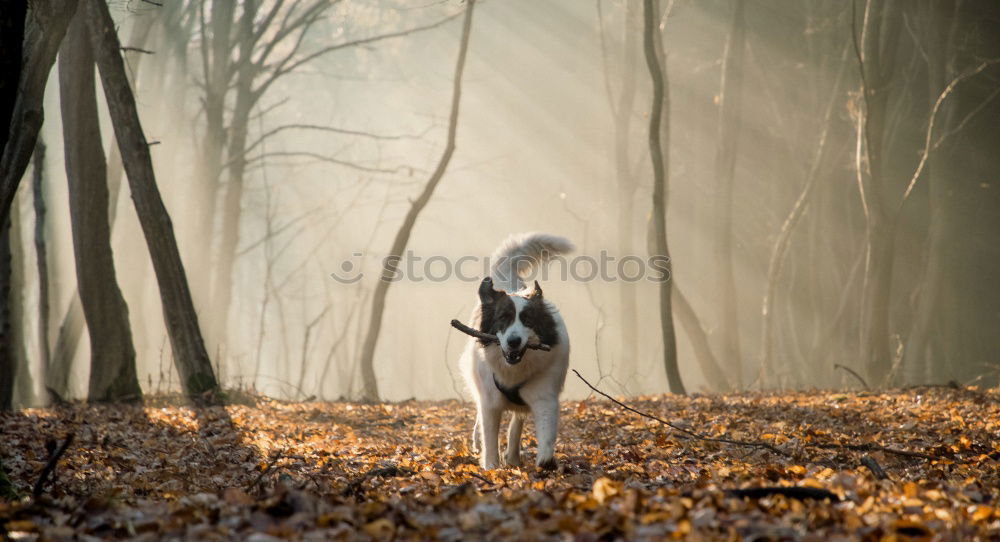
(369, 390)
(45, 27)
(12, 21)
(112, 354)
(657, 122)
(41, 256)
(193, 364)
(729, 122)
(8, 359)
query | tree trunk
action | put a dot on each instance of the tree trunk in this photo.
(67, 341)
(12, 21)
(45, 27)
(24, 385)
(8, 361)
(661, 101)
(41, 257)
(370, 384)
(222, 283)
(627, 293)
(710, 367)
(112, 355)
(71, 326)
(879, 43)
(729, 123)
(193, 363)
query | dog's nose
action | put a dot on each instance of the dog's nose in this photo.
(514, 342)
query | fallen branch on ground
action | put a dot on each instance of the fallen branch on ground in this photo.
(795, 492)
(268, 468)
(50, 467)
(688, 432)
(487, 338)
(877, 470)
(760, 444)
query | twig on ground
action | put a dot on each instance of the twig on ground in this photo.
(794, 492)
(688, 432)
(877, 470)
(267, 469)
(50, 467)
(759, 444)
(487, 338)
(483, 478)
(853, 373)
(379, 472)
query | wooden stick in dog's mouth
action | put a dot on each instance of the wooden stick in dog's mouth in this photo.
(487, 338)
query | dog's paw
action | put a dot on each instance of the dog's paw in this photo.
(549, 463)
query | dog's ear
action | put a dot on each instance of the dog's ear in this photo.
(536, 292)
(487, 294)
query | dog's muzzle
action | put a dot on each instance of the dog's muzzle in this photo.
(513, 357)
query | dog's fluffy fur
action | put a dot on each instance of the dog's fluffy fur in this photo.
(508, 376)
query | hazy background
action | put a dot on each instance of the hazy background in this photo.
(536, 152)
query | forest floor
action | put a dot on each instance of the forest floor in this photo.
(348, 471)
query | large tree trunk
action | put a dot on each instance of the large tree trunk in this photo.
(729, 122)
(45, 27)
(71, 324)
(112, 355)
(661, 102)
(193, 364)
(369, 390)
(8, 359)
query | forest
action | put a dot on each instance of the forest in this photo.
(233, 234)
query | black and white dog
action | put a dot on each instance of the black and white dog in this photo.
(508, 375)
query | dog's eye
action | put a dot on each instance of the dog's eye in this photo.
(526, 320)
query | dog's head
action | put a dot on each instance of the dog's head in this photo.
(516, 319)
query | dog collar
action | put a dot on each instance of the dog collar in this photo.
(512, 394)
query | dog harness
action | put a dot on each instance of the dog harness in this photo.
(512, 394)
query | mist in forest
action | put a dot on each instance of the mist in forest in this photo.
(831, 191)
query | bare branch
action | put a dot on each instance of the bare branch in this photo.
(331, 129)
(930, 125)
(331, 160)
(354, 43)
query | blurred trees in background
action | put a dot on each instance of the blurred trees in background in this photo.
(824, 173)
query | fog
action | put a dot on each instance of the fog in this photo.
(338, 148)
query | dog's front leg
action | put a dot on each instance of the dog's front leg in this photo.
(513, 456)
(477, 435)
(489, 424)
(546, 414)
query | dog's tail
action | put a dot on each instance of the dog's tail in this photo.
(521, 254)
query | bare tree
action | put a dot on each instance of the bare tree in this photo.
(193, 364)
(627, 182)
(41, 254)
(112, 367)
(729, 123)
(657, 143)
(369, 382)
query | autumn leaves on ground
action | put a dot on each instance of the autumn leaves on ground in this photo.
(404, 471)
